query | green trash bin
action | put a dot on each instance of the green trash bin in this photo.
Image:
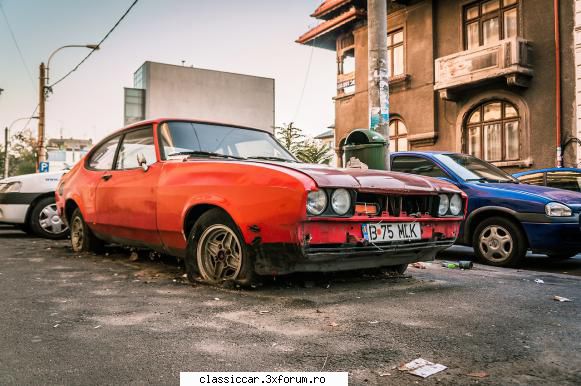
(366, 145)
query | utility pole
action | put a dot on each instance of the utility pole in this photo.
(378, 86)
(6, 147)
(41, 156)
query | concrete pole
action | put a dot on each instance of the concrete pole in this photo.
(41, 156)
(378, 86)
(6, 148)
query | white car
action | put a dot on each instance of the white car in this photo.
(28, 202)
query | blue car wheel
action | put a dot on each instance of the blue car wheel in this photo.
(499, 242)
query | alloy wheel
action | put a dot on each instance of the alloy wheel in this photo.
(219, 254)
(495, 243)
(77, 234)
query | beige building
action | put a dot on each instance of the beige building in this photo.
(165, 90)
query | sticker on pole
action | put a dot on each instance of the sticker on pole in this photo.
(43, 167)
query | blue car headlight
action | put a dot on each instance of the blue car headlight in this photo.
(555, 209)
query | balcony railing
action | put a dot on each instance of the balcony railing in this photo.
(509, 58)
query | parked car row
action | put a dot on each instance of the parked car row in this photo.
(233, 203)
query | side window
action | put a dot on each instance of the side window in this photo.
(564, 180)
(417, 165)
(102, 158)
(135, 143)
(533, 179)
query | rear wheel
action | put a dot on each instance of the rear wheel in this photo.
(45, 221)
(82, 239)
(499, 242)
(217, 252)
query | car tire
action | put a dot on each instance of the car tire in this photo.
(216, 251)
(82, 239)
(45, 222)
(499, 242)
(561, 256)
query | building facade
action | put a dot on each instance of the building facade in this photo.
(165, 90)
(63, 153)
(473, 76)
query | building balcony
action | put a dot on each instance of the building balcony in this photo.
(510, 59)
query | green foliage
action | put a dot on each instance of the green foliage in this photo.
(22, 156)
(292, 138)
(314, 153)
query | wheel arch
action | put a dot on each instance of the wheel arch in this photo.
(70, 206)
(480, 214)
(194, 212)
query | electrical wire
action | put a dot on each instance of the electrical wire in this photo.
(98, 45)
(17, 46)
(29, 119)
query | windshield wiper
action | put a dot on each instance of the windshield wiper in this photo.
(271, 158)
(204, 153)
(491, 180)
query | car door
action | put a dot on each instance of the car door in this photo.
(126, 195)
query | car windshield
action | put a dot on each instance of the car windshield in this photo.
(470, 168)
(180, 138)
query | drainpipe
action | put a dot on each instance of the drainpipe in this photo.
(559, 162)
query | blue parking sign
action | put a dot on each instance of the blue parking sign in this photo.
(43, 167)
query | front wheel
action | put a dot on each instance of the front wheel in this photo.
(45, 221)
(217, 252)
(499, 242)
(82, 239)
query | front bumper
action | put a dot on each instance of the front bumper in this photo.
(13, 214)
(553, 237)
(339, 245)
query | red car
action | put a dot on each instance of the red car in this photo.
(232, 202)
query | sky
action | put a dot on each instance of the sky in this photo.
(254, 37)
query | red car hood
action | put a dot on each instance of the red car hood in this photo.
(370, 180)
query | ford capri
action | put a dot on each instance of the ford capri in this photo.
(233, 203)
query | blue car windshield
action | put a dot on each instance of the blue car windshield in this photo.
(470, 168)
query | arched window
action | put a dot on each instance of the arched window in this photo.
(398, 133)
(491, 132)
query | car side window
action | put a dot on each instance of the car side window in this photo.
(134, 144)
(417, 165)
(564, 180)
(102, 158)
(533, 179)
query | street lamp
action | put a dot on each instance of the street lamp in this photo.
(7, 142)
(41, 157)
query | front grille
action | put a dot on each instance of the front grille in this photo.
(399, 206)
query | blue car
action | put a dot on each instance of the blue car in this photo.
(504, 218)
(562, 178)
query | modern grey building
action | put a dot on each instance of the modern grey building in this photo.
(165, 90)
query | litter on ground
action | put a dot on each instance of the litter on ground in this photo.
(422, 368)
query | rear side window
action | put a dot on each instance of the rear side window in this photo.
(417, 165)
(564, 180)
(533, 179)
(102, 158)
(136, 143)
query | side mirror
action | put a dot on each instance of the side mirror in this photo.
(142, 162)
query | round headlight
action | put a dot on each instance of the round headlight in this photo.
(444, 205)
(341, 201)
(456, 205)
(316, 202)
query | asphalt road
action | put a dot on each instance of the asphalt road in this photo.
(69, 319)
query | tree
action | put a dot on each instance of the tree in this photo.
(314, 153)
(22, 156)
(292, 138)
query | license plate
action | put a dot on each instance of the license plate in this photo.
(392, 231)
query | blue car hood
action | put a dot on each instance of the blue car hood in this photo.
(550, 194)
